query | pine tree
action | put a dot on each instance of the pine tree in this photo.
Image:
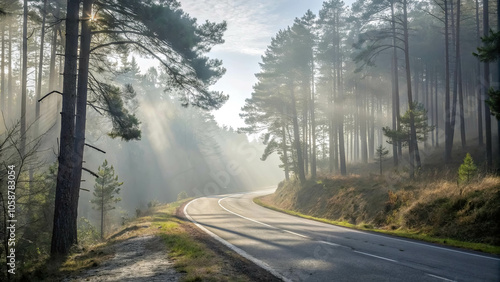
(422, 127)
(105, 189)
(467, 170)
(381, 155)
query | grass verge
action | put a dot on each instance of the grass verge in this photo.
(399, 233)
(194, 258)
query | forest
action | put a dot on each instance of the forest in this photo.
(375, 87)
(334, 87)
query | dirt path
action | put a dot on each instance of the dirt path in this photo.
(136, 259)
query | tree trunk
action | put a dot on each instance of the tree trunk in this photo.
(413, 146)
(313, 127)
(53, 49)
(40, 68)
(305, 114)
(64, 232)
(455, 78)
(10, 90)
(285, 153)
(447, 126)
(479, 83)
(363, 129)
(487, 114)
(459, 78)
(395, 87)
(296, 137)
(81, 101)
(24, 79)
(102, 212)
(331, 131)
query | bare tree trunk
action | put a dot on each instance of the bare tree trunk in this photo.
(459, 78)
(313, 127)
(455, 77)
(447, 125)
(52, 64)
(102, 213)
(81, 101)
(64, 231)
(436, 108)
(305, 114)
(363, 129)
(487, 114)
(10, 90)
(285, 154)
(413, 146)
(331, 130)
(40, 67)
(479, 83)
(296, 137)
(24, 79)
(395, 88)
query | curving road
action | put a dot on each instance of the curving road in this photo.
(297, 249)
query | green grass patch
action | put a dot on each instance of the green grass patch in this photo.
(399, 232)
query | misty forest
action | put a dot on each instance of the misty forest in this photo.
(378, 115)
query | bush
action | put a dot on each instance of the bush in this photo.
(87, 233)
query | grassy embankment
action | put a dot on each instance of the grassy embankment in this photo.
(193, 258)
(429, 209)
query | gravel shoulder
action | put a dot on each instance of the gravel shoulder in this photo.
(137, 259)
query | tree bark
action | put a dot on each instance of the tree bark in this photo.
(395, 86)
(459, 78)
(413, 146)
(285, 153)
(81, 101)
(10, 90)
(64, 230)
(24, 79)
(296, 137)
(455, 79)
(40, 67)
(313, 126)
(479, 83)
(486, 86)
(447, 125)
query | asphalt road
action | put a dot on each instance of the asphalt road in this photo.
(297, 249)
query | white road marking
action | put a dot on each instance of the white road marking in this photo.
(234, 248)
(330, 243)
(367, 254)
(392, 238)
(439, 277)
(256, 221)
(296, 234)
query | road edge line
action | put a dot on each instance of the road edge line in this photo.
(239, 251)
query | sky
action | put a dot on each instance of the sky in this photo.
(250, 27)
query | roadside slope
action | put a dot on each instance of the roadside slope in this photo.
(433, 211)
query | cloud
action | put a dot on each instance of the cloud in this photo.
(251, 24)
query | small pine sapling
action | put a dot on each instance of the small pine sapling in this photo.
(105, 189)
(381, 155)
(467, 170)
